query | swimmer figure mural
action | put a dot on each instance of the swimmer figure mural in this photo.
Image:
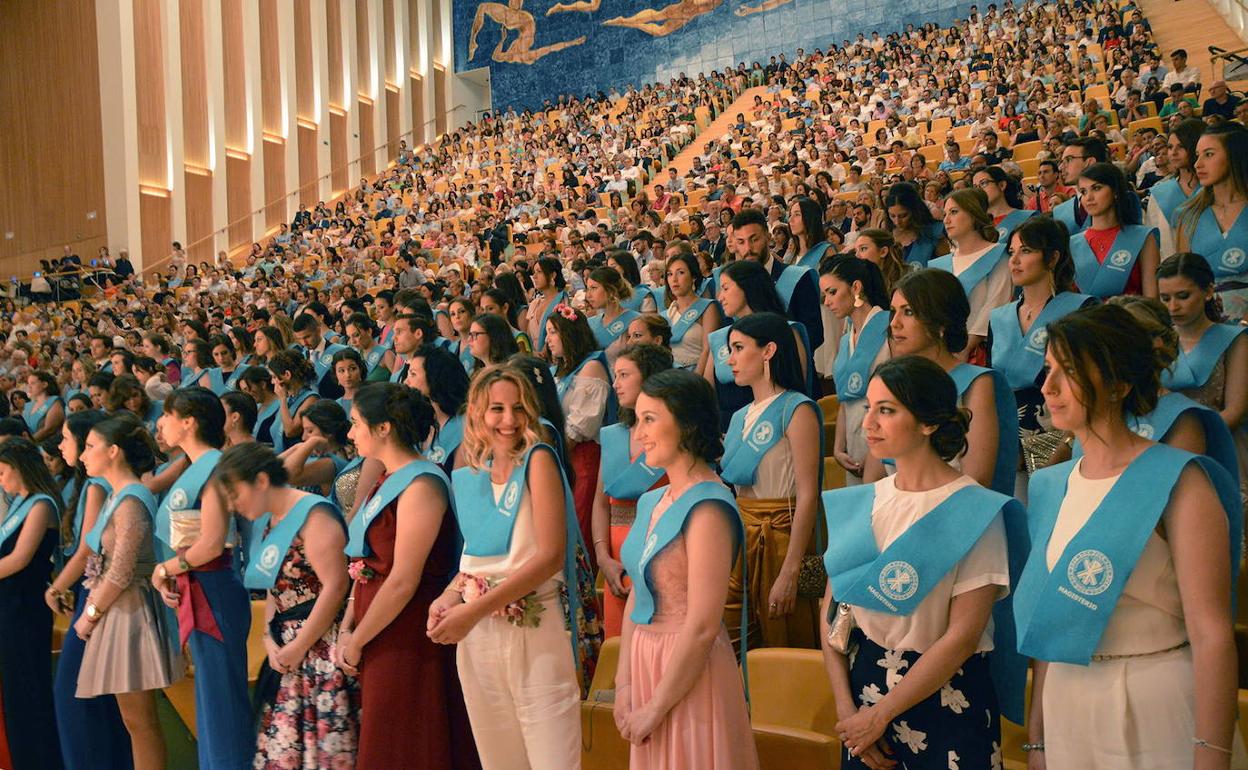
(512, 17)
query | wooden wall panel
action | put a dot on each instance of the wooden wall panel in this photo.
(274, 182)
(416, 90)
(195, 142)
(198, 214)
(363, 49)
(333, 47)
(238, 199)
(155, 211)
(390, 72)
(235, 63)
(307, 165)
(413, 33)
(271, 69)
(394, 123)
(441, 103)
(149, 74)
(339, 152)
(368, 140)
(305, 76)
(52, 158)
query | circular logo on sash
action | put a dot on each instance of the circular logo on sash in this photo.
(1144, 430)
(1001, 233)
(437, 454)
(511, 494)
(651, 542)
(855, 382)
(898, 580)
(269, 557)
(372, 508)
(327, 359)
(1039, 338)
(722, 353)
(1090, 572)
(762, 432)
(177, 499)
(1233, 258)
(690, 314)
(1120, 258)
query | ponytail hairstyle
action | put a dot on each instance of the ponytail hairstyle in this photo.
(242, 405)
(1195, 268)
(50, 384)
(22, 455)
(612, 282)
(128, 433)
(1051, 238)
(929, 393)
(650, 360)
(771, 328)
(205, 407)
(243, 463)
(478, 448)
(409, 413)
(894, 261)
(974, 202)
(551, 267)
(851, 270)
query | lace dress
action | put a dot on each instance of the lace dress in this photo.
(314, 720)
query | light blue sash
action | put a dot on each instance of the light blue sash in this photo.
(1219, 443)
(216, 380)
(81, 509)
(269, 547)
(1226, 253)
(191, 377)
(19, 509)
(388, 492)
(688, 318)
(231, 382)
(637, 298)
(622, 477)
(563, 383)
(920, 251)
(787, 283)
(135, 490)
(373, 358)
(851, 371)
(400, 370)
(153, 414)
(810, 260)
(978, 270)
(34, 417)
(739, 464)
(1168, 196)
(1007, 422)
(606, 334)
(324, 362)
(1064, 212)
(466, 358)
(1019, 358)
(896, 581)
(186, 492)
(540, 343)
(277, 433)
(718, 343)
(1010, 223)
(1109, 278)
(267, 411)
(1061, 615)
(446, 440)
(1193, 367)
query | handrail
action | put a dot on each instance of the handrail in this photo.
(149, 268)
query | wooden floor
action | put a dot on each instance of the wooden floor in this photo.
(1193, 25)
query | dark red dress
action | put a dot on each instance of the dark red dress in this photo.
(412, 708)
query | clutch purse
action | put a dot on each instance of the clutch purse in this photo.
(184, 528)
(840, 625)
(1038, 448)
(812, 578)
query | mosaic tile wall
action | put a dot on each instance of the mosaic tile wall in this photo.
(573, 51)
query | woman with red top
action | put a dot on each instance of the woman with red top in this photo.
(403, 545)
(1115, 254)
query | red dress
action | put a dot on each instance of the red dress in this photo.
(412, 708)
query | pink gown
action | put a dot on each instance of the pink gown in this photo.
(709, 729)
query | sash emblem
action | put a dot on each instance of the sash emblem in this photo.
(690, 315)
(510, 494)
(327, 359)
(1120, 258)
(1002, 232)
(371, 510)
(899, 580)
(616, 327)
(1233, 258)
(1039, 338)
(722, 353)
(269, 557)
(437, 454)
(177, 499)
(855, 383)
(651, 542)
(1144, 430)
(763, 432)
(1090, 572)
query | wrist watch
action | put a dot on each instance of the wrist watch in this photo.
(93, 612)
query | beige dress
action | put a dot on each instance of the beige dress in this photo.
(1133, 712)
(688, 351)
(134, 646)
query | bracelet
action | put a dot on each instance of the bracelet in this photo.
(1027, 747)
(1207, 745)
(600, 540)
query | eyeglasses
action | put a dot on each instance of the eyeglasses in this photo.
(1068, 158)
(474, 335)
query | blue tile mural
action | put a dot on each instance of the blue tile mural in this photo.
(537, 49)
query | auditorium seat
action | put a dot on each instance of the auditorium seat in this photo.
(602, 747)
(792, 710)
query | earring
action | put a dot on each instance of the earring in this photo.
(767, 369)
(858, 300)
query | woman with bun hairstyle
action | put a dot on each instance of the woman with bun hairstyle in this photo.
(978, 261)
(692, 317)
(678, 694)
(854, 291)
(28, 538)
(623, 477)
(929, 312)
(919, 561)
(438, 376)
(606, 292)
(584, 386)
(745, 287)
(402, 546)
(91, 731)
(772, 457)
(520, 540)
(293, 378)
(309, 715)
(1125, 600)
(195, 537)
(131, 647)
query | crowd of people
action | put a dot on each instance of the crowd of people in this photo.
(420, 425)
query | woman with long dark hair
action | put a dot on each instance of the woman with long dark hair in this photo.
(490, 340)
(1005, 200)
(1165, 197)
(548, 291)
(1115, 254)
(438, 376)
(920, 236)
(45, 411)
(809, 241)
(692, 317)
(293, 380)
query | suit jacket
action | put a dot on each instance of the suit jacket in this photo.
(804, 306)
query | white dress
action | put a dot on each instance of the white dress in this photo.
(688, 351)
(1133, 712)
(990, 293)
(856, 411)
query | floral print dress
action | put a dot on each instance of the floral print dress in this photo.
(314, 720)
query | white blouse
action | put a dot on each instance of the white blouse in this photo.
(990, 293)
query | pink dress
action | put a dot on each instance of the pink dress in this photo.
(709, 729)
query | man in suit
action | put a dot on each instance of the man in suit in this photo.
(715, 243)
(798, 286)
(1077, 155)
